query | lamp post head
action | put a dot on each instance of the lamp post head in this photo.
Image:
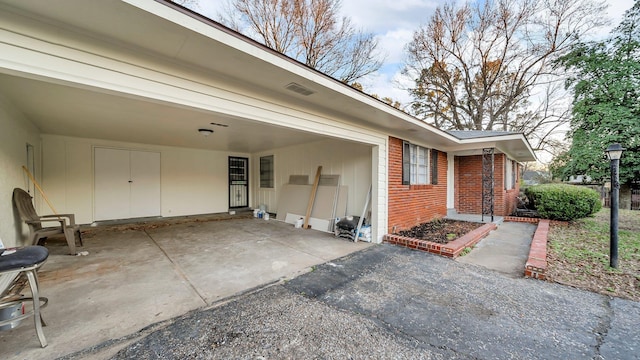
(614, 151)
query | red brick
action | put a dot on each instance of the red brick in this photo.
(411, 205)
(536, 265)
(468, 186)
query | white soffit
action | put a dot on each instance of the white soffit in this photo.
(187, 40)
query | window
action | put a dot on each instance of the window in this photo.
(416, 165)
(266, 172)
(510, 174)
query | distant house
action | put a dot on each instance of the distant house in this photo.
(579, 179)
(535, 177)
(108, 103)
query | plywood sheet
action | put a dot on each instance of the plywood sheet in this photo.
(331, 202)
(330, 180)
(323, 207)
(315, 223)
(293, 199)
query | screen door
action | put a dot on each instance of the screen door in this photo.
(238, 182)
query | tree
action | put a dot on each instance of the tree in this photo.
(606, 85)
(309, 31)
(486, 65)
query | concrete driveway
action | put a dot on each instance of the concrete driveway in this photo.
(390, 302)
(140, 274)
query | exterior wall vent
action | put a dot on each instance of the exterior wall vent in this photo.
(295, 87)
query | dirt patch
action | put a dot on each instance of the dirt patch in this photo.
(578, 255)
(440, 231)
(88, 232)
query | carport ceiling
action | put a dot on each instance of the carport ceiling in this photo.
(70, 111)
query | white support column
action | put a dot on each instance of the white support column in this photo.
(379, 191)
(450, 181)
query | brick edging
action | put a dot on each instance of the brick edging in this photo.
(536, 265)
(451, 249)
(521, 219)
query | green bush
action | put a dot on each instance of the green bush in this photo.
(563, 202)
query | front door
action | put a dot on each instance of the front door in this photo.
(238, 182)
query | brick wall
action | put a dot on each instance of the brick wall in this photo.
(468, 198)
(468, 186)
(410, 205)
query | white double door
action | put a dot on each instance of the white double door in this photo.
(127, 184)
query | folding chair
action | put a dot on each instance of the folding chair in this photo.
(14, 264)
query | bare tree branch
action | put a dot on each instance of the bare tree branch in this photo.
(309, 31)
(477, 65)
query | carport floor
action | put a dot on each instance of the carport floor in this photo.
(135, 276)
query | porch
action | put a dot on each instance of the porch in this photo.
(139, 274)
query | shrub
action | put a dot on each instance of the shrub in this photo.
(563, 202)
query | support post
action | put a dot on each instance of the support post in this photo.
(613, 226)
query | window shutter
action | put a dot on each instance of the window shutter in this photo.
(434, 166)
(506, 173)
(406, 163)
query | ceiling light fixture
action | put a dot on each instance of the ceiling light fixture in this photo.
(205, 132)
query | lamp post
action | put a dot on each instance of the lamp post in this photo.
(614, 153)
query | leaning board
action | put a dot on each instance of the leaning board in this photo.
(331, 202)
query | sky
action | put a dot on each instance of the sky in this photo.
(393, 23)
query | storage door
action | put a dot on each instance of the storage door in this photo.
(111, 183)
(126, 184)
(145, 184)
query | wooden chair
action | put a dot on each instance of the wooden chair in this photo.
(66, 222)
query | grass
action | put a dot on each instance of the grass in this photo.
(579, 254)
(466, 250)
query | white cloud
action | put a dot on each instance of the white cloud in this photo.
(392, 44)
(380, 16)
(617, 8)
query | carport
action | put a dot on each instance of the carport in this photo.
(130, 78)
(138, 274)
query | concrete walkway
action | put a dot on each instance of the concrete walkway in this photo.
(504, 250)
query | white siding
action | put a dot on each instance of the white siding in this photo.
(192, 181)
(15, 132)
(351, 161)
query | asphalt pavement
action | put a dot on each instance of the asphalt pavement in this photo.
(388, 302)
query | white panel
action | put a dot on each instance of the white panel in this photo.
(111, 181)
(314, 223)
(352, 161)
(79, 183)
(194, 182)
(15, 132)
(450, 181)
(54, 176)
(145, 184)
